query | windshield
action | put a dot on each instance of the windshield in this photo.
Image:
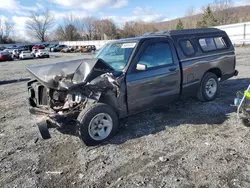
(117, 55)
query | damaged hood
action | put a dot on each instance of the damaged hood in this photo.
(64, 75)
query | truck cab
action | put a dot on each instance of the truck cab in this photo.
(129, 76)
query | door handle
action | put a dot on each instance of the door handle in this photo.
(172, 69)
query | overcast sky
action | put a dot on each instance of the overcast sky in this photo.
(118, 10)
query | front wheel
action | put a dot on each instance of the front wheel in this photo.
(97, 123)
(209, 87)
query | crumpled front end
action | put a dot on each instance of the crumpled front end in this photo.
(58, 97)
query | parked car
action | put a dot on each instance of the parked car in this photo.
(33, 52)
(38, 47)
(93, 48)
(26, 55)
(67, 49)
(27, 48)
(15, 54)
(88, 49)
(58, 48)
(10, 50)
(5, 56)
(84, 49)
(22, 48)
(41, 54)
(50, 47)
(129, 76)
(46, 45)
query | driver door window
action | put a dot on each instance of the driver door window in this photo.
(156, 55)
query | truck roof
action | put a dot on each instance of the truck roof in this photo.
(184, 32)
(175, 33)
(191, 35)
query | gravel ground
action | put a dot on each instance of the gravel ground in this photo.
(186, 144)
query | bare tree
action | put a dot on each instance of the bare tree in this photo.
(189, 22)
(6, 28)
(132, 29)
(88, 26)
(104, 29)
(39, 24)
(73, 20)
(190, 11)
(223, 11)
(69, 29)
(128, 30)
(67, 33)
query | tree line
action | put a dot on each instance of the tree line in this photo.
(42, 26)
(73, 28)
(218, 13)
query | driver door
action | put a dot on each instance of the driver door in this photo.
(160, 82)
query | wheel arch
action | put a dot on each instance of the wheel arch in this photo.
(216, 71)
(110, 99)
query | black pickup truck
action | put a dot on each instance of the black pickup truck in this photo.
(129, 76)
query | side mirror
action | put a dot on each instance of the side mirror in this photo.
(141, 67)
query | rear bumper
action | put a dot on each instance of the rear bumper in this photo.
(230, 75)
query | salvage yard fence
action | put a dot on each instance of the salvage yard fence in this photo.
(97, 43)
(238, 33)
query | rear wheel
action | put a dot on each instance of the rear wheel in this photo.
(246, 122)
(209, 87)
(97, 123)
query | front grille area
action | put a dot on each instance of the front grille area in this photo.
(37, 94)
(42, 95)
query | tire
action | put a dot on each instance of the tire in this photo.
(43, 129)
(246, 122)
(86, 121)
(203, 95)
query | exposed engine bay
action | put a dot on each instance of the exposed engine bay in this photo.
(66, 88)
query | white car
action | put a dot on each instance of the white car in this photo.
(41, 53)
(25, 55)
(15, 53)
(33, 53)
